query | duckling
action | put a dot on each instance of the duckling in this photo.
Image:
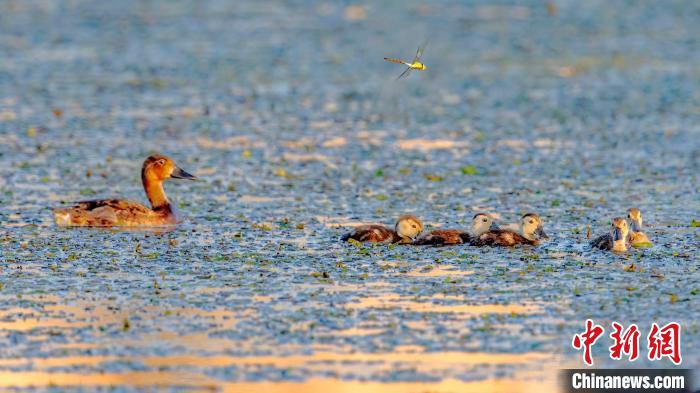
(481, 223)
(636, 237)
(406, 229)
(616, 240)
(530, 232)
(119, 212)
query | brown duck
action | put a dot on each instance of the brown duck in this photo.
(405, 230)
(119, 212)
(481, 223)
(616, 240)
(530, 233)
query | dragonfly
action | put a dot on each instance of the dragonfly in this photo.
(415, 64)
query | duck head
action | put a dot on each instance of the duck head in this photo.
(155, 170)
(531, 227)
(635, 217)
(158, 168)
(408, 227)
(619, 232)
(482, 223)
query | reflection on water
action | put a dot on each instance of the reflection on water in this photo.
(206, 352)
(404, 303)
(438, 271)
(313, 385)
(329, 362)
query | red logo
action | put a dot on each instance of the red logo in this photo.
(665, 342)
(626, 342)
(587, 339)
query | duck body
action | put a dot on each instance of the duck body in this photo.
(481, 223)
(406, 229)
(501, 238)
(124, 213)
(530, 232)
(113, 212)
(607, 242)
(443, 237)
(639, 239)
(373, 234)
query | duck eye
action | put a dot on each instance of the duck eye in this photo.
(484, 220)
(531, 221)
(414, 226)
(160, 162)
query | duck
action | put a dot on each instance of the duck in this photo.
(481, 222)
(636, 237)
(616, 240)
(125, 213)
(530, 233)
(407, 228)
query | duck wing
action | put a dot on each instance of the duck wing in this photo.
(370, 233)
(603, 242)
(101, 212)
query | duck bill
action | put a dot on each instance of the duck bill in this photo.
(617, 234)
(636, 226)
(541, 233)
(494, 227)
(178, 173)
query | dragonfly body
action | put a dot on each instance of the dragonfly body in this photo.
(415, 64)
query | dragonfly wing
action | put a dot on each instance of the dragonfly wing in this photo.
(419, 52)
(405, 73)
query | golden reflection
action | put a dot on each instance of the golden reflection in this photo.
(439, 271)
(64, 316)
(413, 355)
(404, 303)
(313, 385)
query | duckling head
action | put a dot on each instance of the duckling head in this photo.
(408, 227)
(482, 223)
(635, 217)
(620, 230)
(532, 229)
(158, 168)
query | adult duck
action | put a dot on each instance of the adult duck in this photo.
(124, 213)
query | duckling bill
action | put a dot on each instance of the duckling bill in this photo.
(481, 223)
(406, 229)
(119, 212)
(530, 233)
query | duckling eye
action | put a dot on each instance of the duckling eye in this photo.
(160, 162)
(414, 226)
(484, 220)
(531, 221)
